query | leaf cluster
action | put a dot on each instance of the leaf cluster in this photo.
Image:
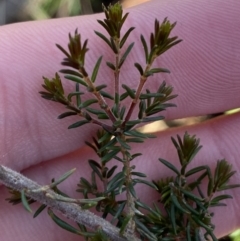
(186, 204)
(160, 42)
(150, 103)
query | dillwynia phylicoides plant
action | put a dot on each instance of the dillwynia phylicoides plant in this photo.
(183, 209)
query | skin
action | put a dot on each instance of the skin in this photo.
(205, 75)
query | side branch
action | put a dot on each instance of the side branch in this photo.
(73, 211)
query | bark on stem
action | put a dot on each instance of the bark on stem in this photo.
(19, 182)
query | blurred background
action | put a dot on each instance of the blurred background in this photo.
(12, 11)
(24, 10)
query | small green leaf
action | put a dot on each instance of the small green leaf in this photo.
(119, 211)
(145, 47)
(129, 91)
(78, 97)
(199, 222)
(96, 168)
(210, 186)
(82, 228)
(113, 46)
(88, 102)
(124, 17)
(87, 116)
(103, 38)
(120, 187)
(191, 209)
(105, 137)
(77, 124)
(71, 72)
(151, 119)
(110, 155)
(165, 196)
(116, 186)
(111, 66)
(136, 155)
(91, 200)
(66, 114)
(159, 70)
(124, 56)
(115, 112)
(126, 35)
(144, 206)
(123, 96)
(194, 153)
(139, 174)
(122, 112)
(199, 190)
(62, 178)
(220, 197)
(195, 170)
(25, 201)
(145, 230)
(95, 111)
(190, 195)
(142, 109)
(104, 25)
(95, 70)
(214, 238)
(62, 223)
(46, 95)
(188, 229)
(85, 182)
(123, 143)
(56, 190)
(63, 50)
(169, 165)
(39, 210)
(100, 87)
(150, 95)
(106, 95)
(111, 171)
(75, 79)
(139, 67)
(131, 189)
(173, 219)
(108, 144)
(116, 99)
(177, 204)
(218, 204)
(70, 95)
(118, 177)
(139, 134)
(228, 187)
(150, 184)
(133, 122)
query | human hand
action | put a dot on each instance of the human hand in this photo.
(205, 75)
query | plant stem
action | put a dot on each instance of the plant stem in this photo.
(142, 82)
(130, 204)
(116, 75)
(135, 100)
(73, 211)
(101, 100)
